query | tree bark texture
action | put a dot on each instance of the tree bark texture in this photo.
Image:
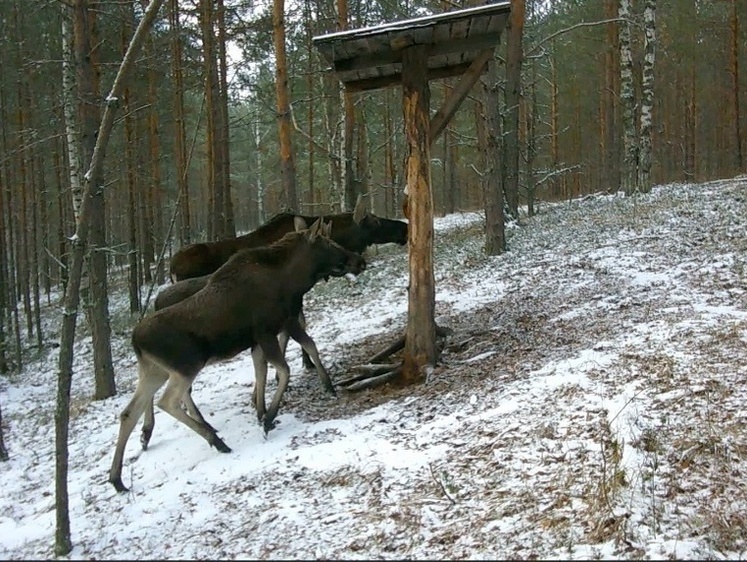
(228, 223)
(63, 543)
(282, 92)
(514, 56)
(179, 132)
(420, 347)
(495, 235)
(647, 97)
(627, 95)
(88, 110)
(734, 25)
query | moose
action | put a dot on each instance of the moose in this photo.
(246, 303)
(354, 231)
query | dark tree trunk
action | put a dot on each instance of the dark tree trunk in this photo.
(495, 236)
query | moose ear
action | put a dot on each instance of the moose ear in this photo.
(327, 229)
(299, 223)
(360, 210)
(314, 230)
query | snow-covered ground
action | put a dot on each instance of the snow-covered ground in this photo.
(590, 403)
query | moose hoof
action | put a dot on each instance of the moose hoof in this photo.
(330, 390)
(219, 444)
(268, 424)
(118, 485)
(145, 438)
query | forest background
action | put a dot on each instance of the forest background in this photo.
(229, 115)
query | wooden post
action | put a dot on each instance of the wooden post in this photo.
(420, 341)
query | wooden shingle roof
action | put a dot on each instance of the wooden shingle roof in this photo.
(371, 57)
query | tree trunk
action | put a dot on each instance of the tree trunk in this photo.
(88, 109)
(227, 221)
(630, 145)
(4, 368)
(93, 179)
(556, 181)
(311, 197)
(514, 57)
(739, 156)
(647, 97)
(532, 108)
(69, 95)
(212, 99)
(492, 180)
(180, 135)
(3, 450)
(611, 155)
(133, 277)
(362, 162)
(390, 169)
(132, 208)
(282, 91)
(420, 346)
(349, 182)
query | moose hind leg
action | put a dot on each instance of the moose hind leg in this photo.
(150, 419)
(260, 381)
(176, 391)
(308, 363)
(150, 379)
(272, 354)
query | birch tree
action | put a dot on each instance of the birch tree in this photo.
(92, 181)
(647, 96)
(627, 94)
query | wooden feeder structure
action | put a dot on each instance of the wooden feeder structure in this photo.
(413, 52)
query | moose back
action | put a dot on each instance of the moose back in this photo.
(353, 231)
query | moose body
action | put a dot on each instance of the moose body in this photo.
(251, 299)
(179, 291)
(354, 231)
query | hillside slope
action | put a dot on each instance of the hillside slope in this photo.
(589, 403)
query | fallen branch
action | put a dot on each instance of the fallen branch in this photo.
(376, 373)
(371, 382)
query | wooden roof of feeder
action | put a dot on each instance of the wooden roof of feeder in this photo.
(371, 57)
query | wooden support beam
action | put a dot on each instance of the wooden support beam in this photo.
(420, 338)
(460, 91)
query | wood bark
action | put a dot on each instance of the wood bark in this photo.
(87, 77)
(311, 197)
(349, 181)
(391, 203)
(645, 155)
(282, 92)
(627, 95)
(734, 63)
(92, 181)
(227, 221)
(179, 128)
(420, 347)
(130, 176)
(212, 99)
(3, 449)
(514, 56)
(492, 180)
